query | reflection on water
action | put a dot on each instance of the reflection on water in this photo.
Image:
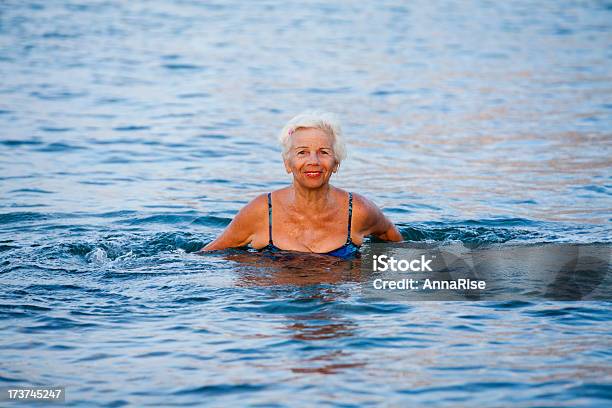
(311, 282)
(292, 268)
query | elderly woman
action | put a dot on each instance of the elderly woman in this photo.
(310, 215)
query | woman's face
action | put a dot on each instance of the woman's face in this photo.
(311, 157)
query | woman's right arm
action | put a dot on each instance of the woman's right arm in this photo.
(374, 222)
(244, 226)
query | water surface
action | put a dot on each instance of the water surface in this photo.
(132, 132)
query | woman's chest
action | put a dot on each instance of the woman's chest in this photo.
(313, 233)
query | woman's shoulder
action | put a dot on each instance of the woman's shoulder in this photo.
(365, 212)
(243, 227)
(363, 205)
(253, 210)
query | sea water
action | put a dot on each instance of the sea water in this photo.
(132, 132)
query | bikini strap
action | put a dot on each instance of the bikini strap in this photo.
(270, 219)
(350, 218)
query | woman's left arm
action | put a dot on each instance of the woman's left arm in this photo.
(374, 222)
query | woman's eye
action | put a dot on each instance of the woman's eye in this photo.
(324, 152)
(301, 152)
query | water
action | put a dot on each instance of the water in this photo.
(132, 132)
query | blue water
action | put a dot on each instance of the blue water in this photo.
(132, 132)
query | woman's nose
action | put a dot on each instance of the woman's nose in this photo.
(313, 158)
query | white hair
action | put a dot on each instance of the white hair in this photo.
(327, 122)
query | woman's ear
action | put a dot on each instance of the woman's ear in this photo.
(287, 168)
(336, 167)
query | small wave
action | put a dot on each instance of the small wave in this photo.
(104, 101)
(471, 232)
(597, 189)
(195, 95)
(4, 248)
(286, 307)
(60, 347)
(5, 379)
(501, 222)
(221, 389)
(50, 129)
(26, 307)
(57, 323)
(187, 217)
(59, 36)
(17, 143)
(511, 304)
(577, 314)
(212, 221)
(95, 357)
(113, 214)
(52, 287)
(385, 92)
(161, 219)
(371, 308)
(31, 190)
(193, 299)
(465, 388)
(592, 390)
(116, 249)
(14, 217)
(59, 147)
(131, 128)
(20, 310)
(326, 91)
(212, 136)
(183, 67)
(97, 256)
(213, 154)
(154, 354)
(59, 95)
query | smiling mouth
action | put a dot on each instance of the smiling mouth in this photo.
(313, 173)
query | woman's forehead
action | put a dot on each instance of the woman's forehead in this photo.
(310, 136)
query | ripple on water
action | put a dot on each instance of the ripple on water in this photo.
(469, 234)
(221, 389)
(56, 323)
(59, 147)
(17, 143)
(131, 128)
(15, 217)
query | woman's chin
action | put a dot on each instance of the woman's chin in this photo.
(313, 183)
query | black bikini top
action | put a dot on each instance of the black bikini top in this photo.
(348, 250)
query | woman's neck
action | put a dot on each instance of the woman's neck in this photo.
(311, 200)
